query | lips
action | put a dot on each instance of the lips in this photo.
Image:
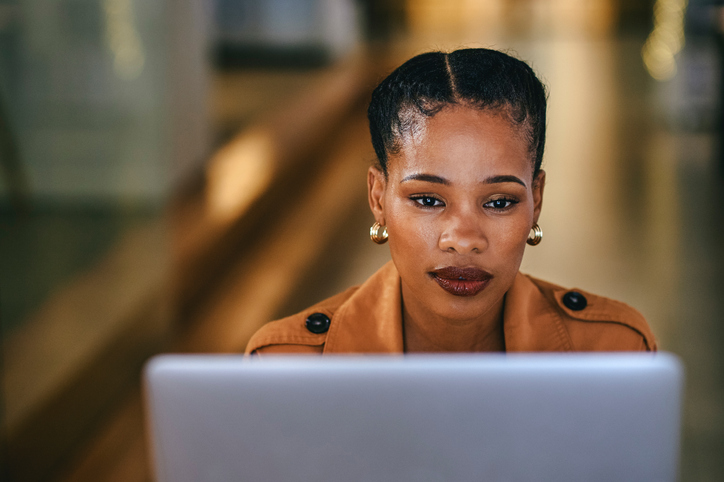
(461, 281)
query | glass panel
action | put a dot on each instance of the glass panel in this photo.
(102, 117)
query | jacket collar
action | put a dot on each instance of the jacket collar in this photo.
(370, 321)
(531, 322)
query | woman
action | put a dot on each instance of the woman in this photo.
(458, 187)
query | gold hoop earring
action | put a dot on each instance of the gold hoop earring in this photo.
(537, 236)
(378, 233)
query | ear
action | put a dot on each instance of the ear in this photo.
(376, 187)
(538, 185)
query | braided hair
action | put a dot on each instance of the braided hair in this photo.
(477, 78)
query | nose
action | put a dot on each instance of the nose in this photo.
(463, 233)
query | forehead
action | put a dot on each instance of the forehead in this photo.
(464, 143)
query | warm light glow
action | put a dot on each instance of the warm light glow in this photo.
(483, 17)
(238, 173)
(666, 40)
(446, 16)
(123, 39)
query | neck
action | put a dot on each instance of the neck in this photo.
(427, 332)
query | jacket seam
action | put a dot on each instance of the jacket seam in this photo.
(632, 328)
(290, 339)
(334, 329)
(560, 326)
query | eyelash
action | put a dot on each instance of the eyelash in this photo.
(419, 200)
(509, 203)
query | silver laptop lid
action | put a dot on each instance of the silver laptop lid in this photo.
(416, 418)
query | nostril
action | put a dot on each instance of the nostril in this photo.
(463, 236)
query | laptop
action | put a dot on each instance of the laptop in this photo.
(530, 417)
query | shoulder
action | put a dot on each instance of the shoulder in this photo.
(597, 323)
(302, 333)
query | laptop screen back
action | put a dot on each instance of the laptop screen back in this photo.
(416, 418)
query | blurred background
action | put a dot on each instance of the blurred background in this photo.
(174, 174)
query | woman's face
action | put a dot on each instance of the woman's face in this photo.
(459, 202)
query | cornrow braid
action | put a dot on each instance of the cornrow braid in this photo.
(479, 78)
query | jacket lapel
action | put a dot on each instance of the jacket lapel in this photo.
(530, 321)
(370, 321)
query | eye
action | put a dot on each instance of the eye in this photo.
(500, 203)
(427, 201)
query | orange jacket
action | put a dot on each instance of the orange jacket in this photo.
(537, 316)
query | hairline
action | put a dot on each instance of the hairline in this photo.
(502, 109)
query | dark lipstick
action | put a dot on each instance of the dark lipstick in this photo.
(461, 281)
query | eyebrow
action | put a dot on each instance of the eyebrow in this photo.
(426, 178)
(500, 179)
(445, 182)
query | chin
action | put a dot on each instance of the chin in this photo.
(463, 308)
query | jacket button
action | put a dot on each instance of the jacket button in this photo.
(318, 323)
(575, 301)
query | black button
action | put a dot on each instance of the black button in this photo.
(575, 301)
(318, 323)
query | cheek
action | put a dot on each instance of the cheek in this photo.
(513, 232)
(509, 240)
(412, 237)
(409, 233)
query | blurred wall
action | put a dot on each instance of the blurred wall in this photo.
(106, 99)
(285, 32)
(103, 115)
